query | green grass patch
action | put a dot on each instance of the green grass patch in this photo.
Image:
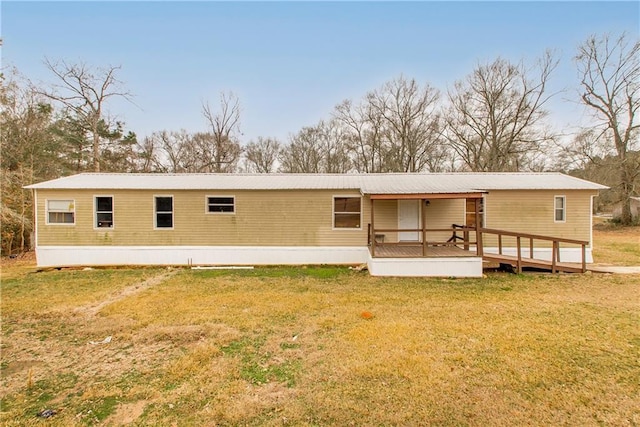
(319, 272)
(96, 410)
(259, 366)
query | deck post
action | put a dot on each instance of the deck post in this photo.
(423, 219)
(479, 244)
(584, 258)
(553, 257)
(531, 248)
(519, 261)
(373, 233)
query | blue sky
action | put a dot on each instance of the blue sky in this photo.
(290, 63)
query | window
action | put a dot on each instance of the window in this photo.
(164, 211)
(346, 212)
(560, 208)
(104, 211)
(61, 212)
(221, 204)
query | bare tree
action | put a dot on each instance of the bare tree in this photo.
(303, 154)
(316, 149)
(167, 151)
(410, 123)
(224, 150)
(362, 130)
(261, 156)
(609, 69)
(589, 157)
(495, 118)
(85, 92)
(148, 155)
(331, 140)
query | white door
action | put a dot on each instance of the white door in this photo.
(409, 217)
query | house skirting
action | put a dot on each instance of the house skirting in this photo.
(426, 267)
(62, 256)
(566, 254)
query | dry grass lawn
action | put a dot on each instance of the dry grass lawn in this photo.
(617, 246)
(318, 346)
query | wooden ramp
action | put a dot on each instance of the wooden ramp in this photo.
(566, 267)
(519, 261)
(526, 248)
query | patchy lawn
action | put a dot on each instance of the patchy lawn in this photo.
(319, 346)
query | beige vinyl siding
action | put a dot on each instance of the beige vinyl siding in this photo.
(442, 213)
(385, 216)
(262, 218)
(294, 218)
(533, 212)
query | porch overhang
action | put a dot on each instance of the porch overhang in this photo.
(423, 196)
(475, 195)
(424, 247)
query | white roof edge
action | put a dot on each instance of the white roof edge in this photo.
(386, 183)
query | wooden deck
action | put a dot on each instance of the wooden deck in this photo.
(415, 251)
(525, 245)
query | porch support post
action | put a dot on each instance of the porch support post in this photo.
(479, 244)
(423, 209)
(373, 233)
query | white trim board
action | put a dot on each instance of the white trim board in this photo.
(60, 256)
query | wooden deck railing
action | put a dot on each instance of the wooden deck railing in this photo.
(376, 238)
(555, 246)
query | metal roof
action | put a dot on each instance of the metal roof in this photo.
(388, 183)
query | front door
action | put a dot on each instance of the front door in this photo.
(409, 218)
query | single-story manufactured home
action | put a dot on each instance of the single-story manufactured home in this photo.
(400, 224)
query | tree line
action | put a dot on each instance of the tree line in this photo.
(495, 119)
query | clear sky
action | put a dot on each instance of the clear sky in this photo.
(290, 63)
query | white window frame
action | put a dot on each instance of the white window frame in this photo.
(564, 208)
(96, 212)
(46, 212)
(333, 212)
(155, 212)
(206, 205)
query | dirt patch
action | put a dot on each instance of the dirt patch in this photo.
(40, 345)
(19, 365)
(25, 257)
(127, 413)
(615, 269)
(179, 335)
(266, 398)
